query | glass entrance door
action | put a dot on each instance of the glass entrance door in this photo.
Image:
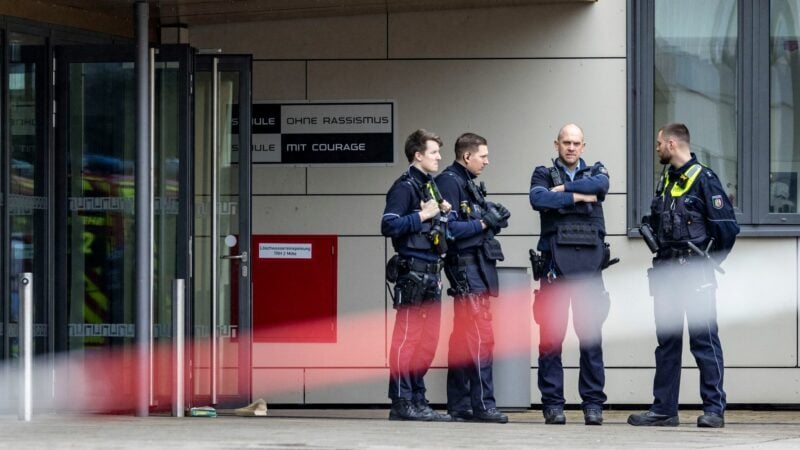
(95, 223)
(221, 314)
(27, 201)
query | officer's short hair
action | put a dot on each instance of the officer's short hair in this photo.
(676, 131)
(467, 141)
(416, 142)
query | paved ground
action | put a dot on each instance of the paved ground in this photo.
(349, 429)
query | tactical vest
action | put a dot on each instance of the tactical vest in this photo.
(582, 212)
(576, 236)
(474, 207)
(675, 222)
(419, 240)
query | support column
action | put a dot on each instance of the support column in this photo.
(143, 209)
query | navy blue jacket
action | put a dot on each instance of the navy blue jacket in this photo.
(557, 206)
(401, 219)
(460, 228)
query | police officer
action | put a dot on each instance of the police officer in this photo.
(569, 197)
(691, 228)
(416, 221)
(470, 268)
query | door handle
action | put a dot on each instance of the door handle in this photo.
(243, 257)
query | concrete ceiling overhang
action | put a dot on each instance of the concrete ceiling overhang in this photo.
(116, 16)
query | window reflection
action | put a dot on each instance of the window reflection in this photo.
(784, 152)
(27, 196)
(695, 80)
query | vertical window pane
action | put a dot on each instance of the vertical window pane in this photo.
(695, 80)
(784, 149)
(27, 196)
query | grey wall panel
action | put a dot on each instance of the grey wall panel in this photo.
(279, 80)
(633, 385)
(343, 215)
(629, 332)
(549, 30)
(328, 37)
(515, 250)
(361, 286)
(518, 105)
(757, 303)
(761, 385)
(360, 179)
(524, 220)
(623, 385)
(277, 180)
(369, 386)
(278, 385)
(333, 386)
(754, 325)
(614, 211)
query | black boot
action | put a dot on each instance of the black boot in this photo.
(593, 416)
(554, 416)
(489, 415)
(651, 419)
(405, 410)
(460, 416)
(711, 420)
(430, 415)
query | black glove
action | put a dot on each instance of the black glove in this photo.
(645, 220)
(493, 219)
(504, 212)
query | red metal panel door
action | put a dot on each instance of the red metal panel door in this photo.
(294, 288)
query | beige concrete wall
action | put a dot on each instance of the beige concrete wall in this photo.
(514, 75)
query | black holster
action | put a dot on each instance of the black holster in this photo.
(537, 264)
(457, 277)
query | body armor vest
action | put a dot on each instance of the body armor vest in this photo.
(418, 240)
(675, 222)
(473, 207)
(590, 214)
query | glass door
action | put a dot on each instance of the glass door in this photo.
(27, 201)
(221, 316)
(95, 222)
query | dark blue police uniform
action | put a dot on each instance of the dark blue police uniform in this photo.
(417, 293)
(471, 269)
(691, 206)
(572, 245)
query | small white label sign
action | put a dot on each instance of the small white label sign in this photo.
(268, 250)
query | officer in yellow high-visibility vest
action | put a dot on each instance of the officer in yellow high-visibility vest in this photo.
(691, 228)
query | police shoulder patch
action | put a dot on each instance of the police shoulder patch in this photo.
(716, 201)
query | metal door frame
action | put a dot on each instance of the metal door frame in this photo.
(65, 55)
(243, 65)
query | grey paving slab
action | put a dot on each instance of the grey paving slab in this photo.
(358, 429)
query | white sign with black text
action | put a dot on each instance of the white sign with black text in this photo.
(323, 133)
(268, 250)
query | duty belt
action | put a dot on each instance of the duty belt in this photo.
(679, 255)
(420, 265)
(462, 260)
(676, 253)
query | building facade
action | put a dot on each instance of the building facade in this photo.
(514, 74)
